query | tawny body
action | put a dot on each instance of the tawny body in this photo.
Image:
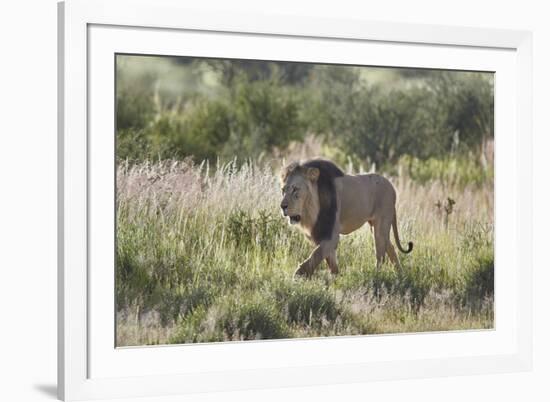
(326, 203)
(361, 199)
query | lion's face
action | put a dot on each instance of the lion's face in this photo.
(298, 194)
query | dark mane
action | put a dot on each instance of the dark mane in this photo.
(328, 171)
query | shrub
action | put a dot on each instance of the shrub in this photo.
(201, 132)
(480, 280)
(257, 118)
(265, 116)
(259, 229)
(438, 113)
(135, 107)
(466, 103)
(254, 319)
(258, 107)
(307, 302)
(234, 318)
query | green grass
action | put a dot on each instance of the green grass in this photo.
(203, 255)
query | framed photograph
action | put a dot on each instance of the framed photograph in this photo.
(255, 201)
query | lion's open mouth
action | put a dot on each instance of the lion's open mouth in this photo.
(295, 219)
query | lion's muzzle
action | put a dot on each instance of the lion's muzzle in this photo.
(295, 219)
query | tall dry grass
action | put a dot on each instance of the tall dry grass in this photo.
(204, 255)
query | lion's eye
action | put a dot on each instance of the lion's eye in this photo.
(295, 192)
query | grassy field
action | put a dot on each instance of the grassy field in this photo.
(204, 255)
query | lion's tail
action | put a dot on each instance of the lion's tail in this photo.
(396, 236)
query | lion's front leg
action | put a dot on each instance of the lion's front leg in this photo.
(325, 249)
(332, 262)
(304, 269)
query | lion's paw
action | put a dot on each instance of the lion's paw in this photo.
(303, 270)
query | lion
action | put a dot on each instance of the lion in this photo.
(326, 203)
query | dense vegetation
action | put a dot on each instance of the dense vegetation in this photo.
(250, 109)
(204, 255)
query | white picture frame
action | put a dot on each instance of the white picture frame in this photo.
(89, 367)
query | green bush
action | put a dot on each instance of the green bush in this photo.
(257, 109)
(259, 229)
(234, 318)
(465, 103)
(310, 304)
(257, 118)
(135, 107)
(254, 319)
(479, 281)
(265, 116)
(201, 132)
(439, 113)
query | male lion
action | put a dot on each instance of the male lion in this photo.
(325, 203)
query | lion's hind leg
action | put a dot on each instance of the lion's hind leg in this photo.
(381, 240)
(393, 255)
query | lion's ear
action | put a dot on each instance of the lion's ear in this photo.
(287, 170)
(312, 173)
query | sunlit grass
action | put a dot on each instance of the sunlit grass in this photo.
(203, 255)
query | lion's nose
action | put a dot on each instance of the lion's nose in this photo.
(284, 207)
